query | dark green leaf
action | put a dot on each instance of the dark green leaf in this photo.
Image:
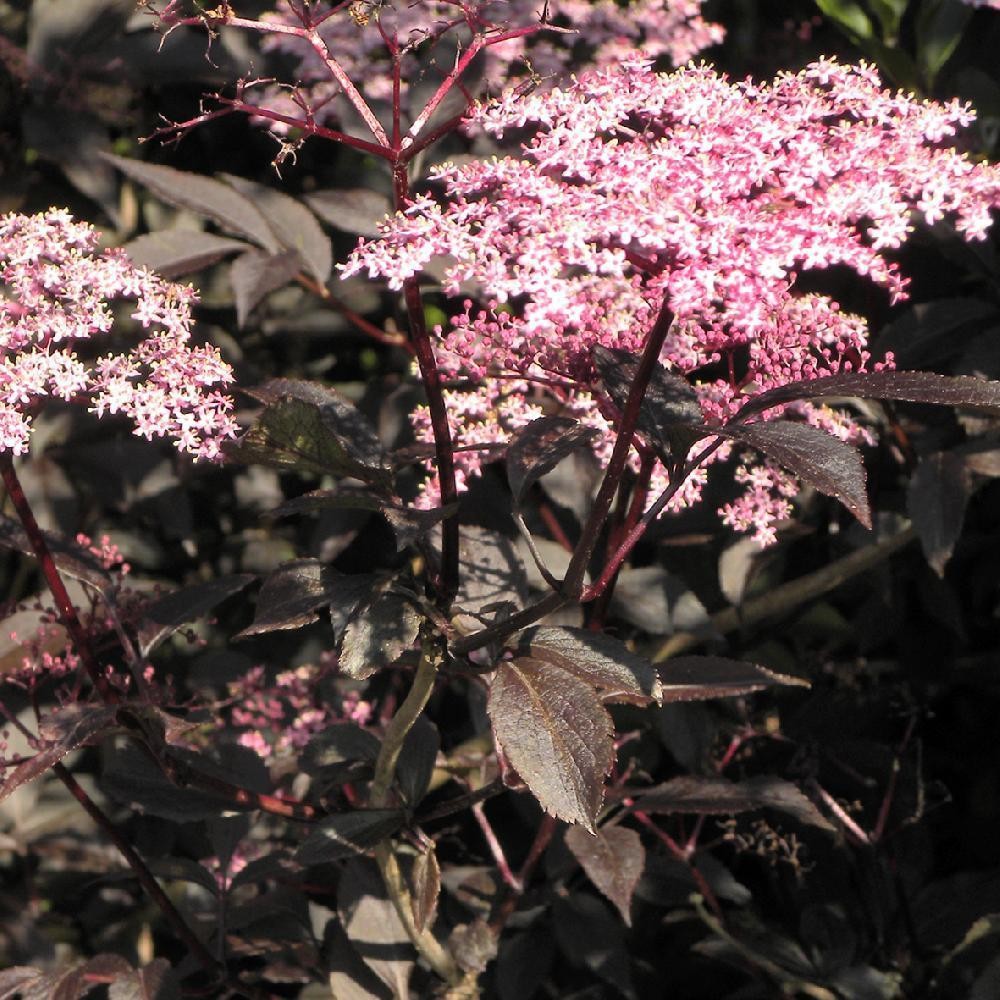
(255, 274)
(292, 223)
(348, 833)
(539, 448)
(936, 500)
(599, 659)
(850, 16)
(556, 733)
(166, 615)
(613, 860)
(670, 408)
(940, 27)
(377, 635)
(176, 252)
(819, 460)
(698, 678)
(309, 427)
(203, 195)
(714, 795)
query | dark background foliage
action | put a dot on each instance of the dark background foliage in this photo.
(853, 851)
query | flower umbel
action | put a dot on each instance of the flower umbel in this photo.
(56, 293)
(638, 188)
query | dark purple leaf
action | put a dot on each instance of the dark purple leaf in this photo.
(294, 592)
(373, 926)
(670, 408)
(613, 860)
(425, 878)
(255, 274)
(554, 730)
(417, 761)
(377, 635)
(203, 195)
(409, 523)
(590, 935)
(73, 983)
(348, 833)
(292, 223)
(718, 796)
(699, 678)
(309, 427)
(155, 981)
(166, 615)
(524, 963)
(539, 448)
(64, 731)
(929, 332)
(490, 572)
(819, 460)
(341, 743)
(911, 387)
(72, 559)
(600, 659)
(176, 252)
(936, 500)
(351, 210)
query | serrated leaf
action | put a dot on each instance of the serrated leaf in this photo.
(255, 274)
(425, 879)
(202, 195)
(155, 981)
(294, 225)
(539, 447)
(556, 733)
(712, 795)
(910, 387)
(67, 729)
(166, 615)
(349, 833)
(670, 408)
(351, 210)
(378, 635)
(819, 460)
(699, 678)
(613, 859)
(595, 657)
(176, 252)
(309, 427)
(936, 501)
(290, 596)
(408, 523)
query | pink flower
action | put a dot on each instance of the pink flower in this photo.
(637, 186)
(56, 293)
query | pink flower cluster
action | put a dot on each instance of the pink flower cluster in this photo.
(56, 294)
(282, 715)
(995, 4)
(600, 32)
(637, 187)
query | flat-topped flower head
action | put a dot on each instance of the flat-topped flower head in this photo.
(635, 187)
(56, 294)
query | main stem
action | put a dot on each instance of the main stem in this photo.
(385, 770)
(444, 451)
(67, 610)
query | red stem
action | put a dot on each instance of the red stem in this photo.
(67, 611)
